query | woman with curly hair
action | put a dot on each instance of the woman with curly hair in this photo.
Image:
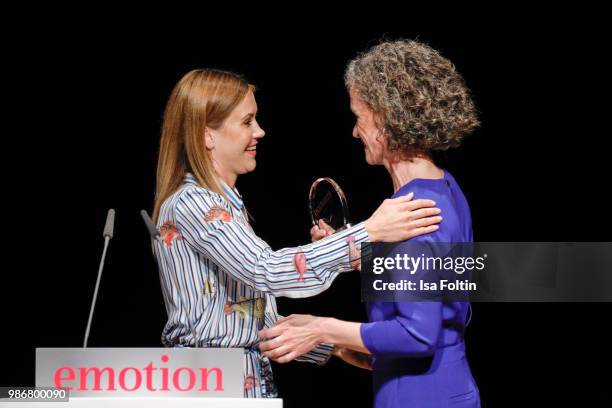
(409, 101)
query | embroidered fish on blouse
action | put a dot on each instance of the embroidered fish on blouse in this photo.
(168, 233)
(353, 253)
(299, 261)
(218, 213)
(247, 307)
(249, 382)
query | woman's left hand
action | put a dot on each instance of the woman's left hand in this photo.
(320, 231)
(291, 337)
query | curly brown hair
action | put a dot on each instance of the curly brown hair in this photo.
(419, 97)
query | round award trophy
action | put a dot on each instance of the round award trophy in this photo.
(328, 203)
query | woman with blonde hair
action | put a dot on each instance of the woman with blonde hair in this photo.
(219, 280)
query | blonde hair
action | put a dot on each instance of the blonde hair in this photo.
(202, 99)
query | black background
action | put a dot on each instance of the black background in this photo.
(86, 119)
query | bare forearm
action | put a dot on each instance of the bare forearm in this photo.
(343, 334)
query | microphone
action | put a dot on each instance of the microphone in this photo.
(110, 224)
(156, 236)
(109, 227)
(153, 232)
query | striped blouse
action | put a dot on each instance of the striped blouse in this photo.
(219, 280)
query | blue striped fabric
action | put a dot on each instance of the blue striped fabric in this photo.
(219, 280)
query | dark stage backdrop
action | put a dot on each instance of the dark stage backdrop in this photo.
(86, 140)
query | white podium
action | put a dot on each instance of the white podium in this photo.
(143, 377)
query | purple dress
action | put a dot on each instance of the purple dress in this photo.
(417, 347)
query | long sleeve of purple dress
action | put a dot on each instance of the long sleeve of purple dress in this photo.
(417, 347)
